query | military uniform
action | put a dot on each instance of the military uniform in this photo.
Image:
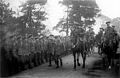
(31, 49)
(108, 33)
(37, 53)
(50, 50)
(4, 61)
(59, 49)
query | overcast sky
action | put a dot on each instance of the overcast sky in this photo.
(110, 8)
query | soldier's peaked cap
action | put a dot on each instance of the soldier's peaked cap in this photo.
(12, 36)
(51, 35)
(36, 38)
(89, 27)
(30, 36)
(19, 37)
(107, 22)
(101, 28)
(113, 26)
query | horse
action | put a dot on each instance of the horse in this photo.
(109, 49)
(79, 47)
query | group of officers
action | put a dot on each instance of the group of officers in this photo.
(19, 53)
(108, 43)
(109, 33)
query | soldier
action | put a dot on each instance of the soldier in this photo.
(50, 48)
(43, 48)
(26, 52)
(15, 54)
(46, 48)
(19, 52)
(22, 52)
(37, 46)
(99, 40)
(38, 50)
(110, 34)
(91, 39)
(58, 50)
(31, 49)
(10, 54)
(114, 31)
(108, 31)
(5, 70)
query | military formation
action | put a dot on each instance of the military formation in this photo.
(20, 53)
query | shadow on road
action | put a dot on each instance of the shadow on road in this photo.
(99, 71)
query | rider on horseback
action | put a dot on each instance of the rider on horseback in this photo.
(111, 41)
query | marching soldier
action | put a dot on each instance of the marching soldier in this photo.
(42, 45)
(37, 53)
(19, 48)
(15, 54)
(38, 49)
(59, 49)
(5, 68)
(10, 54)
(22, 52)
(31, 50)
(51, 48)
(46, 48)
(26, 52)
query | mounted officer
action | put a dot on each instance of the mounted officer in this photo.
(110, 42)
(108, 32)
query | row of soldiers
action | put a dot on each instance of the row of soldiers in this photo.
(24, 52)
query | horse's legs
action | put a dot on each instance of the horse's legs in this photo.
(74, 55)
(109, 61)
(91, 49)
(61, 62)
(78, 54)
(84, 58)
(99, 50)
(50, 59)
(57, 62)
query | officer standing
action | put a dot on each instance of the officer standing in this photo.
(99, 39)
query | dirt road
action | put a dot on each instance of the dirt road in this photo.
(92, 70)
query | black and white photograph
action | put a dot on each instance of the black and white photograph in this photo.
(59, 38)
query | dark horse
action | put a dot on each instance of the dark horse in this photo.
(110, 49)
(79, 47)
